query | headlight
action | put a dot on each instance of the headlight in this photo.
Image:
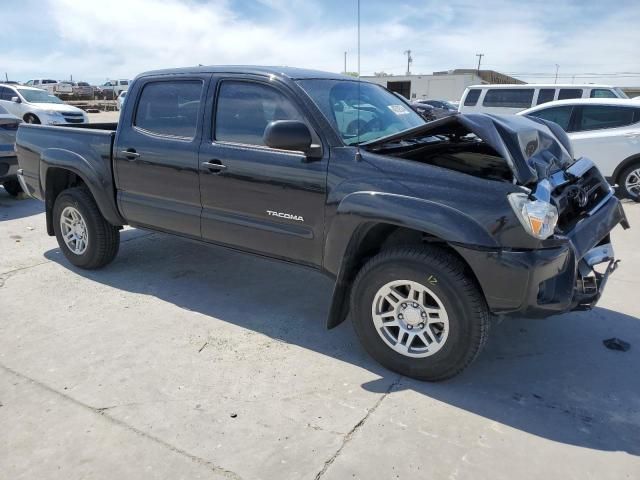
(538, 218)
(52, 112)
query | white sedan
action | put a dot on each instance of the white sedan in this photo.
(38, 106)
(606, 130)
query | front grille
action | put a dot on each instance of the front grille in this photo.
(74, 120)
(575, 199)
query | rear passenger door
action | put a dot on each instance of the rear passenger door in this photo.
(156, 153)
(607, 134)
(254, 197)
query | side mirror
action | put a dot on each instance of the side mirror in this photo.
(288, 135)
(16, 100)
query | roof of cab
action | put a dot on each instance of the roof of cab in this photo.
(289, 72)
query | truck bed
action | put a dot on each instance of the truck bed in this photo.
(76, 147)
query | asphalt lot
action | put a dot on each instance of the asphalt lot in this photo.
(181, 360)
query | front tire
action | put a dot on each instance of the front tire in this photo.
(84, 236)
(418, 313)
(629, 182)
(12, 187)
(31, 118)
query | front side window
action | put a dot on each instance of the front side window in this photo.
(472, 97)
(124, 82)
(559, 115)
(170, 108)
(568, 93)
(545, 95)
(508, 97)
(244, 109)
(602, 93)
(595, 117)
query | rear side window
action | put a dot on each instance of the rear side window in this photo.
(244, 110)
(559, 115)
(170, 108)
(545, 95)
(595, 117)
(567, 93)
(602, 93)
(472, 97)
(508, 97)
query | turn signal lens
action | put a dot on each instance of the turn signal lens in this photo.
(538, 218)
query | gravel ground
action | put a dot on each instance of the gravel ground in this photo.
(181, 360)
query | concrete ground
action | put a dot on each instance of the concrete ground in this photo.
(185, 361)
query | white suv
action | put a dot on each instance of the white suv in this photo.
(606, 130)
(38, 106)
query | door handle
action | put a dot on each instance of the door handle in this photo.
(130, 154)
(214, 166)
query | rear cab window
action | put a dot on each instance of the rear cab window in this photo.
(508, 97)
(472, 97)
(569, 93)
(170, 108)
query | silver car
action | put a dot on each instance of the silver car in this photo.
(8, 160)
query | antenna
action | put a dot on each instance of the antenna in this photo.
(409, 61)
(358, 156)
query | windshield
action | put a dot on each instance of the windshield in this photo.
(620, 93)
(362, 116)
(38, 96)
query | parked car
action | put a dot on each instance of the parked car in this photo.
(435, 108)
(38, 106)
(426, 227)
(607, 130)
(111, 89)
(121, 97)
(81, 90)
(505, 99)
(54, 87)
(8, 160)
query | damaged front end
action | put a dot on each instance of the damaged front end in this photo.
(565, 204)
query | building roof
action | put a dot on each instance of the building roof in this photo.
(489, 76)
(289, 72)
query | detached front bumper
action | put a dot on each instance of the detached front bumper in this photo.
(544, 282)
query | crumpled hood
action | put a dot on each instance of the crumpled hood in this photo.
(533, 148)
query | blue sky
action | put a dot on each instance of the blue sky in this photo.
(96, 40)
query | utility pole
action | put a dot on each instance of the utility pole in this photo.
(479, 55)
(409, 61)
(345, 63)
(6, 76)
(557, 68)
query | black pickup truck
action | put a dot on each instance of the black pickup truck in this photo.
(428, 228)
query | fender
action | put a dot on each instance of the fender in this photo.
(360, 211)
(94, 172)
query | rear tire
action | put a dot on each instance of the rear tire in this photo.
(629, 182)
(91, 242)
(442, 318)
(12, 187)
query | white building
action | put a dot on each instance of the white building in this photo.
(440, 85)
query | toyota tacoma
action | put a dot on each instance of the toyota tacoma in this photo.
(428, 228)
